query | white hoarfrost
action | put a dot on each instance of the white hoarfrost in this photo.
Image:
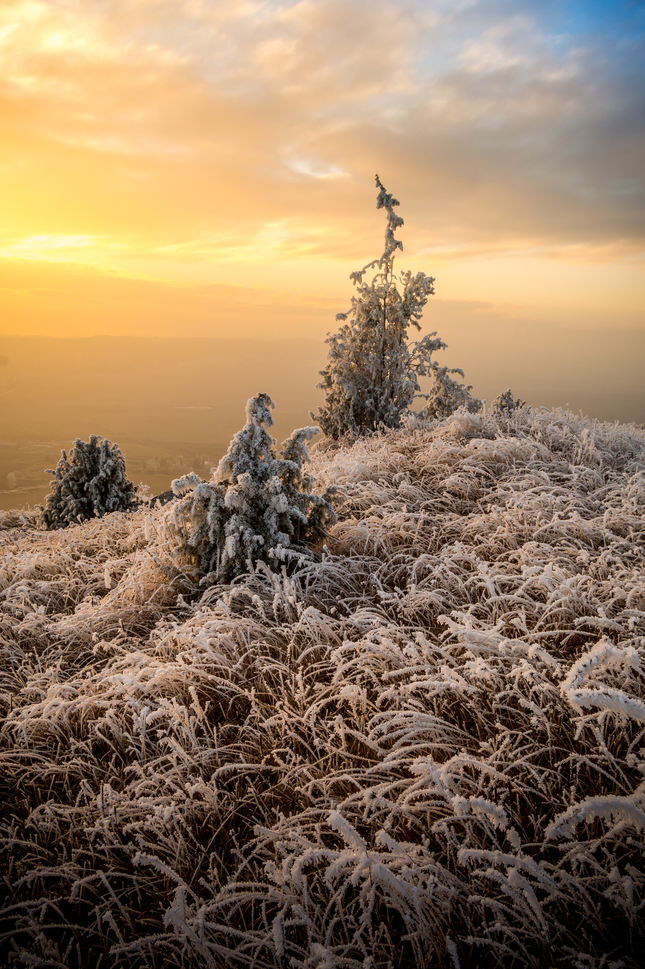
(585, 692)
(422, 747)
(610, 808)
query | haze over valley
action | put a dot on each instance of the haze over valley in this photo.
(173, 405)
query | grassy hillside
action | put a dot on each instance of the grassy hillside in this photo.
(425, 749)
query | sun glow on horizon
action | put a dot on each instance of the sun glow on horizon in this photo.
(211, 166)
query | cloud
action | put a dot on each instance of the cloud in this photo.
(184, 132)
(37, 245)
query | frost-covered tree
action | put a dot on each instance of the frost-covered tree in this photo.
(372, 374)
(505, 404)
(446, 394)
(88, 483)
(258, 505)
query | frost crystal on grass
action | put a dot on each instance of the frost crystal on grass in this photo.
(384, 757)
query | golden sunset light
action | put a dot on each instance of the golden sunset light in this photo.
(322, 484)
(205, 170)
(169, 148)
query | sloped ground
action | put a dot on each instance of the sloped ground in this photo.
(425, 749)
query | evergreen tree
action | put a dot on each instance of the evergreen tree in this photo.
(372, 374)
(505, 404)
(258, 504)
(89, 483)
(446, 394)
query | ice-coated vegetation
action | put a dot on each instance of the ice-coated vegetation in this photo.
(259, 507)
(426, 749)
(89, 482)
(372, 374)
(505, 403)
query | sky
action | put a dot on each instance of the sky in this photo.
(205, 168)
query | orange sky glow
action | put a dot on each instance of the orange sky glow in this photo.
(209, 166)
(206, 168)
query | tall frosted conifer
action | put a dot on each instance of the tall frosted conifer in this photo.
(372, 374)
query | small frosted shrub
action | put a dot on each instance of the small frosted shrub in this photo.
(88, 483)
(259, 507)
(505, 404)
(372, 374)
(448, 395)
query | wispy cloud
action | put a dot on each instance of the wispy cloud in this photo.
(40, 245)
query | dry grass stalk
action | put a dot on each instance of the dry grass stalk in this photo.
(426, 749)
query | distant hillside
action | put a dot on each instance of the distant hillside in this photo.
(171, 405)
(424, 749)
(168, 401)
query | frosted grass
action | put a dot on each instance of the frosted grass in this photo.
(424, 748)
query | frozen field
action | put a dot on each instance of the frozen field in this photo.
(425, 749)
